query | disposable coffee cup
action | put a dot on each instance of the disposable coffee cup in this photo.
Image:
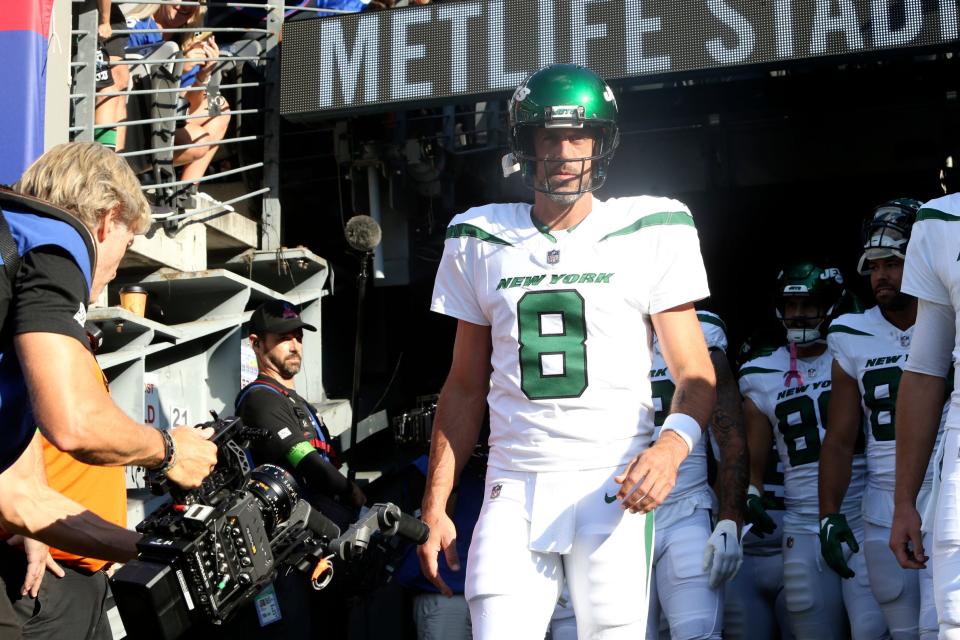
(133, 298)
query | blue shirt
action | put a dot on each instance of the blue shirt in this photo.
(465, 514)
(148, 38)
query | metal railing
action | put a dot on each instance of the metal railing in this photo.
(246, 74)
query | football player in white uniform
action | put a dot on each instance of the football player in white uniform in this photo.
(555, 305)
(691, 564)
(869, 350)
(931, 273)
(786, 395)
(754, 603)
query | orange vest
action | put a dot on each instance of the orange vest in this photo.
(103, 490)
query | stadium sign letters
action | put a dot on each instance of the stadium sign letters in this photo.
(488, 46)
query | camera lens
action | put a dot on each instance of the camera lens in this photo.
(276, 491)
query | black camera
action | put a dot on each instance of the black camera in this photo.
(209, 551)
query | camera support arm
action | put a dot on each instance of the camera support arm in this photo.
(383, 517)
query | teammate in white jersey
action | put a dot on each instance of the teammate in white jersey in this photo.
(932, 274)
(786, 395)
(555, 304)
(754, 604)
(869, 351)
(691, 564)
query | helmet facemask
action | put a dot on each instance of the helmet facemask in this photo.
(807, 281)
(525, 153)
(885, 235)
(565, 97)
(805, 330)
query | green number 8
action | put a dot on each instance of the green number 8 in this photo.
(805, 431)
(872, 380)
(553, 360)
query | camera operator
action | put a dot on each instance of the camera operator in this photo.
(62, 239)
(298, 441)
(74, 604)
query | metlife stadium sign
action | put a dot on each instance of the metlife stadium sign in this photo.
(388, 58)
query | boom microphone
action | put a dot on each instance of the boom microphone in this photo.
(363, 233)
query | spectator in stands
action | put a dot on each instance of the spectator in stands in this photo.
(111, 109)
(202, 47)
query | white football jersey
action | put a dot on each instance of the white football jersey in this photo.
(569, 315)
(797, 414)
(872, 351)
(692, 474)
(932, 269)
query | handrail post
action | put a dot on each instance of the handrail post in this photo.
(270, 227)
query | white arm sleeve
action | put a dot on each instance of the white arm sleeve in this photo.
(931, 351)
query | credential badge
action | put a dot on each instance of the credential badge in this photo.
(553, 256)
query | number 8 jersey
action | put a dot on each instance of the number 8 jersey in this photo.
(569, 316)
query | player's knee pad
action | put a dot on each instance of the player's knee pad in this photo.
(693, 609)
(885, 574)
(800, 580)
(693, 627)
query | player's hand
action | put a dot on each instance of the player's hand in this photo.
(723, 556)
(443, 537)
(756, 514)
(651, 475)
(38, 561)
(834, 531)
(195, 455)
(906, 540)
(104, 30)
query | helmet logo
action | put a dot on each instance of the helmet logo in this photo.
(608, 95)
(521, 93)
(832, 274)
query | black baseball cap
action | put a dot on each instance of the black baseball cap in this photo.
(277, 317)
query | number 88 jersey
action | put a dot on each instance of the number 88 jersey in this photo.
(798, 415)
(569, 317)
(873, 352)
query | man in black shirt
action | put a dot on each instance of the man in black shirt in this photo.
(298, 441)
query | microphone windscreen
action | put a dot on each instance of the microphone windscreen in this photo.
(363, 233)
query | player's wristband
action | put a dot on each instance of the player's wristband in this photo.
(685, 427)
(753, 491)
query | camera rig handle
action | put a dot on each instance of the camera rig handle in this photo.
(388, 519)
(231, 436)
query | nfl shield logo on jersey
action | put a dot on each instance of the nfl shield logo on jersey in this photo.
(905, 340)
(553, 256)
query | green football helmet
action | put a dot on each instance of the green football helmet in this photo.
(807, 279)
(562, 96)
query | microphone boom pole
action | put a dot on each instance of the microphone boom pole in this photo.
(363, 234)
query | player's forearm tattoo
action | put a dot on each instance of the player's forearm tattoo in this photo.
(727, 426)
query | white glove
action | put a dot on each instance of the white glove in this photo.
(723, 554)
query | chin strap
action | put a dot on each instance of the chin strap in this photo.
(793, 374)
